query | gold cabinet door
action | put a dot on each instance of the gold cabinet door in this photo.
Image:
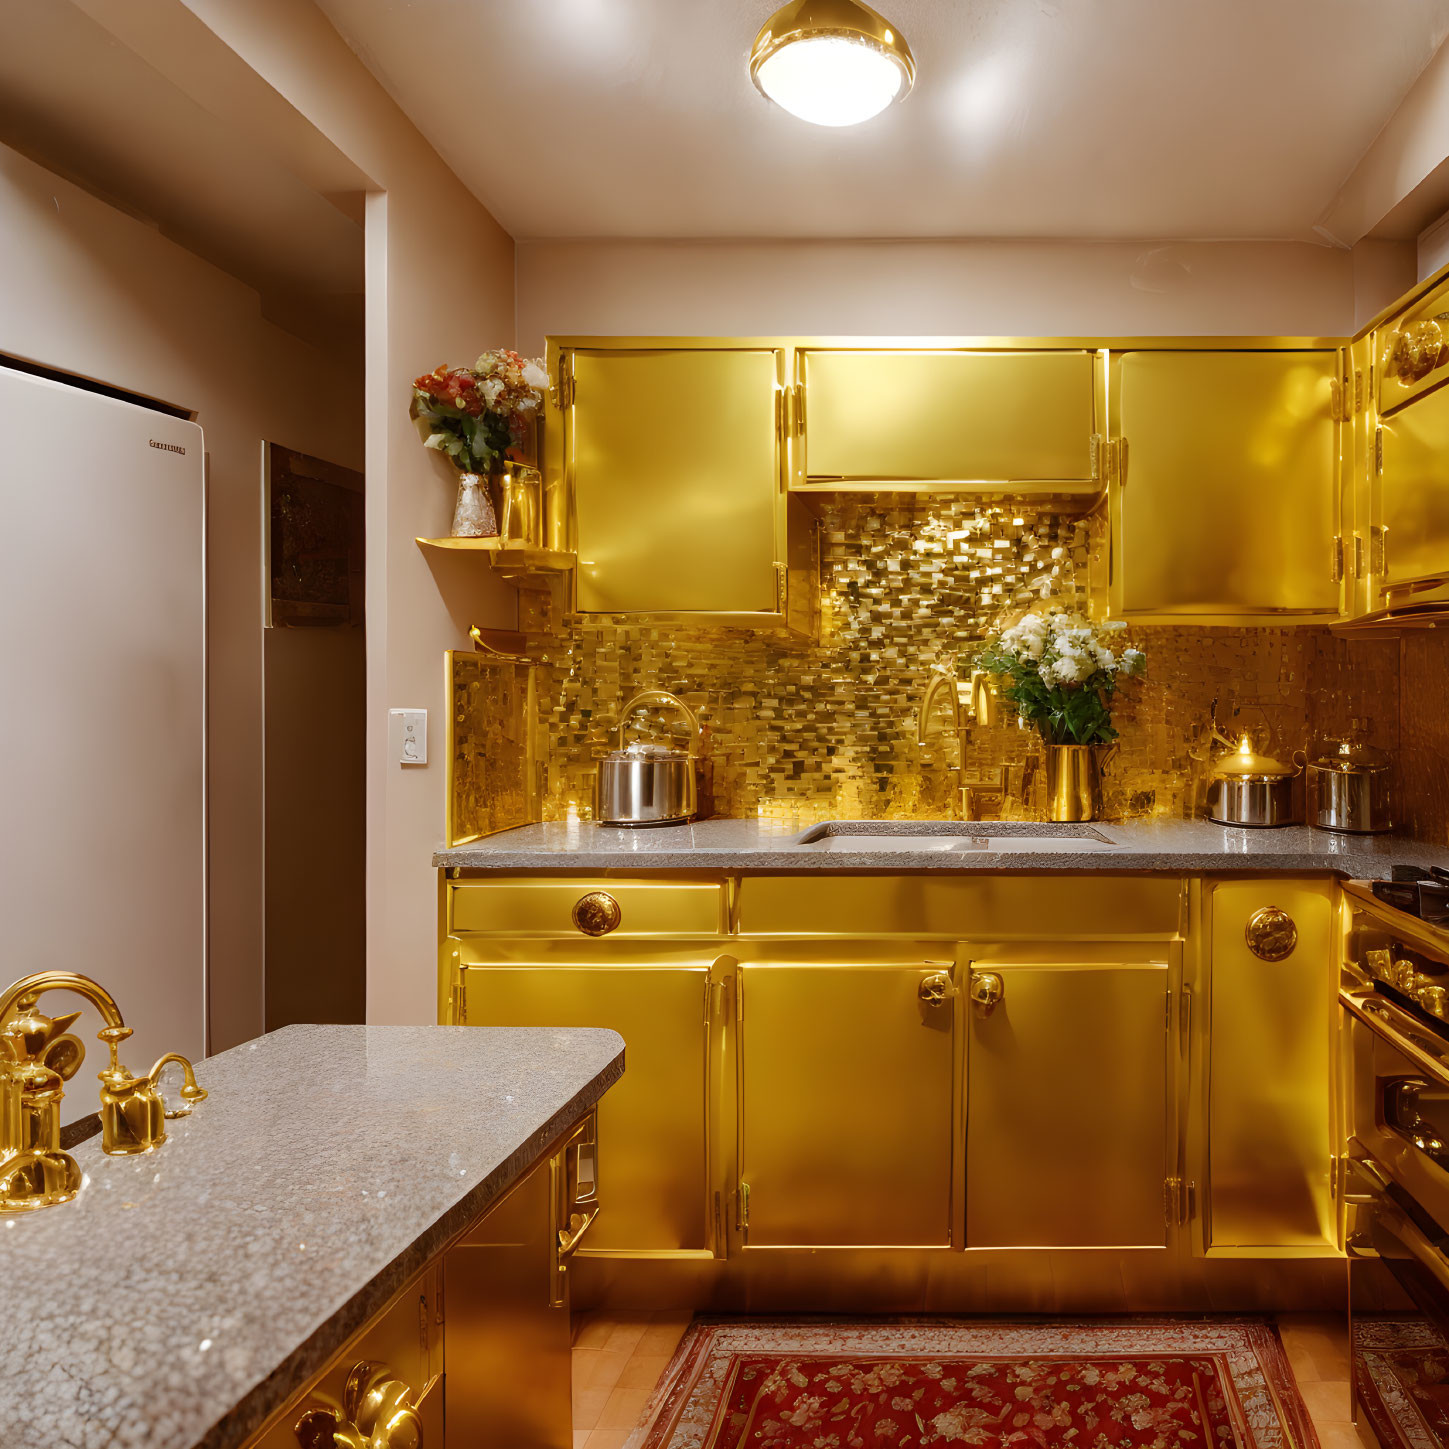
(845, 1080)
(653, 1154)
(1414, 491)
(1227, 501)
(948, 416)
(677, 471)
(507, 1346)
(1067, 1116)
(1270, 1084)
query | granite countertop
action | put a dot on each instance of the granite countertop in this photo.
(1182, 846)
(186, 1293)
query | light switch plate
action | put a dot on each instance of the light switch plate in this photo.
(407, 735)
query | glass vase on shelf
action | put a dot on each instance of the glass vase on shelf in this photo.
(473, 515)
(520, 514)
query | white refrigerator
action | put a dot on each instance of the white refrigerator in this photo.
(102, 712)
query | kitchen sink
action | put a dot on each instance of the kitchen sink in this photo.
(948, 837)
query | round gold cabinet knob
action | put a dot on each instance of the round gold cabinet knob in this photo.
(597, 913)
(1271, 934)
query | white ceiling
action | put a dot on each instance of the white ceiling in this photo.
(1030, 118)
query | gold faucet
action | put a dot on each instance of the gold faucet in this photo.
(38, 1056)
(979, 707)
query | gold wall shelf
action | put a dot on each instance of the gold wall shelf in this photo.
(512, 560)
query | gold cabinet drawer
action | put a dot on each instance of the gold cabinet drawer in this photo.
(1001, 907)
(405, 1340)
(583, 908)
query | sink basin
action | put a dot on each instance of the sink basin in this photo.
(948, 838)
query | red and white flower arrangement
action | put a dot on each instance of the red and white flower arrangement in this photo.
(475, 415)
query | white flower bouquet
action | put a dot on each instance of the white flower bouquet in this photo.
(1062, 673)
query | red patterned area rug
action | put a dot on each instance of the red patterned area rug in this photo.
(1401, 1373)
(1148, 1383)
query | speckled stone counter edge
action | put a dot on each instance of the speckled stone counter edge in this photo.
(312, 1355)
(1167, 846)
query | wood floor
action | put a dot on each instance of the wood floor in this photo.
(618, 1358)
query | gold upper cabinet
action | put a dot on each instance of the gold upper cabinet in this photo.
(1413, 490)
(1407, 514)
(1224, 503)
(675, 458)
(874, 418)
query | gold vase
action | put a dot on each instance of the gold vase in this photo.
(520, 505)
(1074, 780)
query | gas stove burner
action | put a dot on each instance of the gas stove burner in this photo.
(1418, 891)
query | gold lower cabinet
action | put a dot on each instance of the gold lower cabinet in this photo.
(494, 1307)
(508, 1333)
(1270, 1090)
(653, 1122)
(391, 1373)
(1069, 1117)
(846, 1091)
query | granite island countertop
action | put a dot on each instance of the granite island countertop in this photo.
(1178, 846)
(187, 1293)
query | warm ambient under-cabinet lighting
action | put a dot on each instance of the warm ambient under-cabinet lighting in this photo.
(831, 62)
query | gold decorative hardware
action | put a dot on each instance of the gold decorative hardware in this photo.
(1335, 400)
(1378, 551)
(936, 989)
(1271, 934)
(1358, 390)
(987, 989)
(1108, 457)
(563, 392)
(597, 913)
(377, 1413)
(37, 1057)
(1335, 553)
(574, 1188)
(133, 1116)
(1415, 351)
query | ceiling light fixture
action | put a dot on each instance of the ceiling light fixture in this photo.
(831, 62)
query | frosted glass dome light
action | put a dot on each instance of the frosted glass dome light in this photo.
(831, 62)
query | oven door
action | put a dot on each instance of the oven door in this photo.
(1397, 1224)
(1398, 1312)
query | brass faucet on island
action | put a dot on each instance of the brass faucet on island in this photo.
(38, 1055)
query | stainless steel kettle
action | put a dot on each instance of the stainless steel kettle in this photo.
(643, 784)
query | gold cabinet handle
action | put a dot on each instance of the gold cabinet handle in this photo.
(936, 989)
(987, 988)
(579, 1223)
(377, 1413)
(1271, 934)
(597, 913)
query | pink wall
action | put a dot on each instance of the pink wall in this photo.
(1011, 288)
(92, 291)
(439, 277)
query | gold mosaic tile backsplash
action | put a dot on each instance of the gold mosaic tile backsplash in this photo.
(797, 728)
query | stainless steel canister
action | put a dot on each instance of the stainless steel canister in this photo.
(1349, 788)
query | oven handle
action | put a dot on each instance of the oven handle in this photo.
(1411, 1236)
(1382, 1018)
